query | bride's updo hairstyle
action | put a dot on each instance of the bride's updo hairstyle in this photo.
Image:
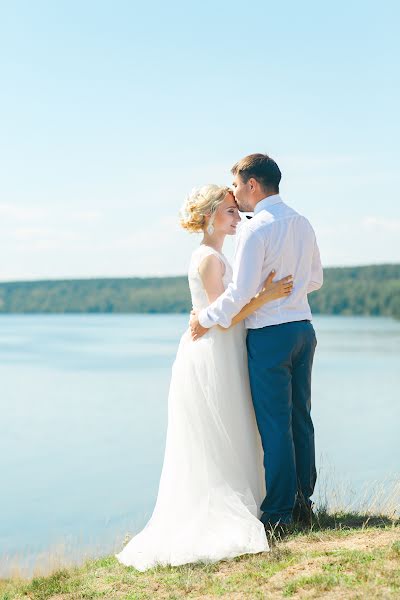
(200, 203)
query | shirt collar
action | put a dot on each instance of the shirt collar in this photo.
(267, 202)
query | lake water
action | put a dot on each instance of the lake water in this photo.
(83, 422)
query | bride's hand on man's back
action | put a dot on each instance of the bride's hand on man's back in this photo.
(272, 290)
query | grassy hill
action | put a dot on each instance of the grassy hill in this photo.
(369, 290)
(344, 556)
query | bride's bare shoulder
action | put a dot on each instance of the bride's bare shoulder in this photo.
(205, 260)
(209, 264)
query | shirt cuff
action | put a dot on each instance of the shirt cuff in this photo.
(313, 286)
(204, 319)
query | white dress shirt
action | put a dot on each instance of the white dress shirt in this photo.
(277, 237)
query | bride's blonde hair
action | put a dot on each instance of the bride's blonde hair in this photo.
(201, 203)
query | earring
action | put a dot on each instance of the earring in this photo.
(210, 229)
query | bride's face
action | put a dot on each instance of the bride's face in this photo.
(227, 216)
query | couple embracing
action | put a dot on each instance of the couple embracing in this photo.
(239, 458)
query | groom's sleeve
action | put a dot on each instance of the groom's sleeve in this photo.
(317, 275)
(246, 281)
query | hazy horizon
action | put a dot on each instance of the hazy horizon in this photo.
(165, 276)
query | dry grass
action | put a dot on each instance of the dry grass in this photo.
(342, 556)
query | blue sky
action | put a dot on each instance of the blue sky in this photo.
(113, 111)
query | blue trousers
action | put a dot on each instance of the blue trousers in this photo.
(280, 360)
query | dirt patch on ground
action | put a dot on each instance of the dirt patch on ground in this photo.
(310, 566)
(365, 540)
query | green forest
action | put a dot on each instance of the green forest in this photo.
(369, 290)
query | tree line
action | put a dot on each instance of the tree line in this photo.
(367, 290)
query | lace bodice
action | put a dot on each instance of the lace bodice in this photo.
(197, 291)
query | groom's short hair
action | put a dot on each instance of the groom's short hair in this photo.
(261, 167)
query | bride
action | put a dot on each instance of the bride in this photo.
(212, 480)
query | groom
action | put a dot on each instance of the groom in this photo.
(280, 340)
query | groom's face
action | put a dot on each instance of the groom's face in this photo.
(243, 194)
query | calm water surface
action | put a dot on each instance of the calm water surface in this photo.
(83, 422)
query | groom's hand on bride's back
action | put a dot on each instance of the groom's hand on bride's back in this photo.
(196, 330)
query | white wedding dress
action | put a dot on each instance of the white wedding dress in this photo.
(212, 481)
